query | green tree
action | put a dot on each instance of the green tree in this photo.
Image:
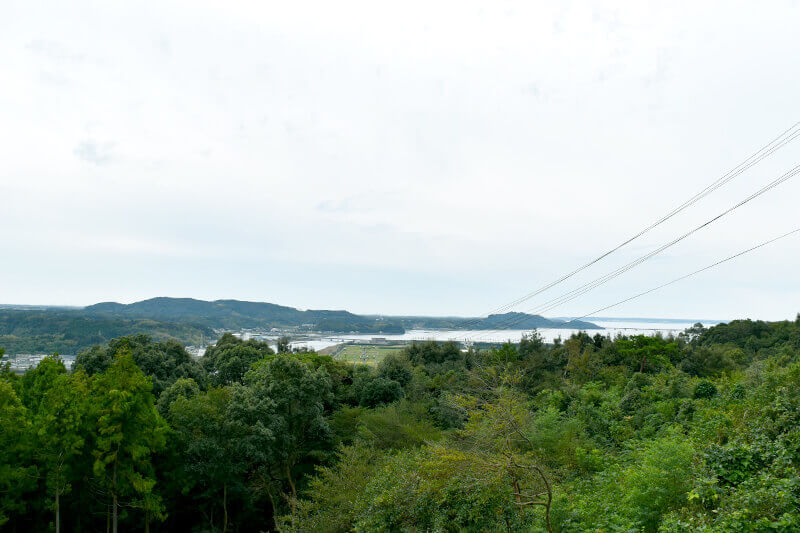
(283, 345)
(60, 428)
(209, 441)
(164, 362)
(499, 433)
(300, 427)
(377, 390)
(253, 419)
(129, 432)
(229, 360)
(659, 480)
(17, 472)
(642, 353)
(183, 387)
(35, 383)
(397, 368)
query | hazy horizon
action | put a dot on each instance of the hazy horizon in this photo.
(550, 316)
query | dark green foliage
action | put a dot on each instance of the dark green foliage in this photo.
(283, 345)
(164, 362)
(757, 337)
(705, 389)
(69, 332)
(297, 420)
(229, 360)
(210, 443)
(396, 368)
(379, 390)
(236, 314)
(434, 353)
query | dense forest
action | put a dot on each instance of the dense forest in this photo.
(694, 433)
(70, 331)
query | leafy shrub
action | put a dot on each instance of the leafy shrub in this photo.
(378, 390)
(732, 463)
(705, 389)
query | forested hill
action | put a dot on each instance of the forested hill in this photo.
(525, 321)
(70, 331)
(235, 314)
(189, 321)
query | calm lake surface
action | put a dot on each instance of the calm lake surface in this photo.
(612, 328)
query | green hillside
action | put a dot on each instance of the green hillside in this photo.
(69, 332)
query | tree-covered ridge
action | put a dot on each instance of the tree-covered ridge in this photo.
(71, 331)
(694, 433)
(190, 321)
(235, 314)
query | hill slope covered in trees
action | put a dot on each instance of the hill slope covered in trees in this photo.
(695, 433)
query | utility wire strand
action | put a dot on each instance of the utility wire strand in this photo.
(676, 280)
(583, 289)
(767, 150)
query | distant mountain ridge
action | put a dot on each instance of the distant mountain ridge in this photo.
(70, 331)
(45, 329)
(526, 321)
(236, 314)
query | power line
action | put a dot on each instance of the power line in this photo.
(583, 289)
(767, 150)
(676, 280)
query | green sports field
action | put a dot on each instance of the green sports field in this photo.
(369, 354)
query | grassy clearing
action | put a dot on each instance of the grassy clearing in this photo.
(370, 354)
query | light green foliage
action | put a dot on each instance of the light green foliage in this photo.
(336, 495)
(129, 431)
(647, 353)
(61, 426)
(396, 426)
(439, 489)
(182, 388)
(35, 383)
(368, 354)
(658, 480)
(17, 471)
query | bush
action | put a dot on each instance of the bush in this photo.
(377, 391)
(705, 389)
(659, 481)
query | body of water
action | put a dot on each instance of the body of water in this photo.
(612, 328)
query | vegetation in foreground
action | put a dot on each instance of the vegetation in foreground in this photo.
(695, 433)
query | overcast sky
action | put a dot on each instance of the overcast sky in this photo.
(399, 158)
